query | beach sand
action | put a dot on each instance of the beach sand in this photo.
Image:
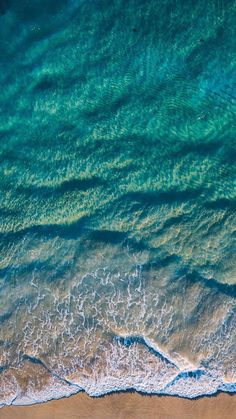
(127, 406)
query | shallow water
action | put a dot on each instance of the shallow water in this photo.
(117, 198)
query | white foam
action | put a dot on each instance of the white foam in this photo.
(187, 388)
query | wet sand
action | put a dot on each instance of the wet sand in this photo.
(127, 406)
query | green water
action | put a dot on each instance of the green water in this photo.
(117, 196)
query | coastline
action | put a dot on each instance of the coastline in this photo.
(127, 405)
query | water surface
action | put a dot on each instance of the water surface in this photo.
(117, 197)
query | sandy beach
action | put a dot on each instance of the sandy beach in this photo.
(127, 406)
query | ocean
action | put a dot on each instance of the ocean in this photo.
(117, 198)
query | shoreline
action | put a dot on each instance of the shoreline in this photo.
(127, 405)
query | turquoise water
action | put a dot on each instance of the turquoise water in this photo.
(117, 197)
